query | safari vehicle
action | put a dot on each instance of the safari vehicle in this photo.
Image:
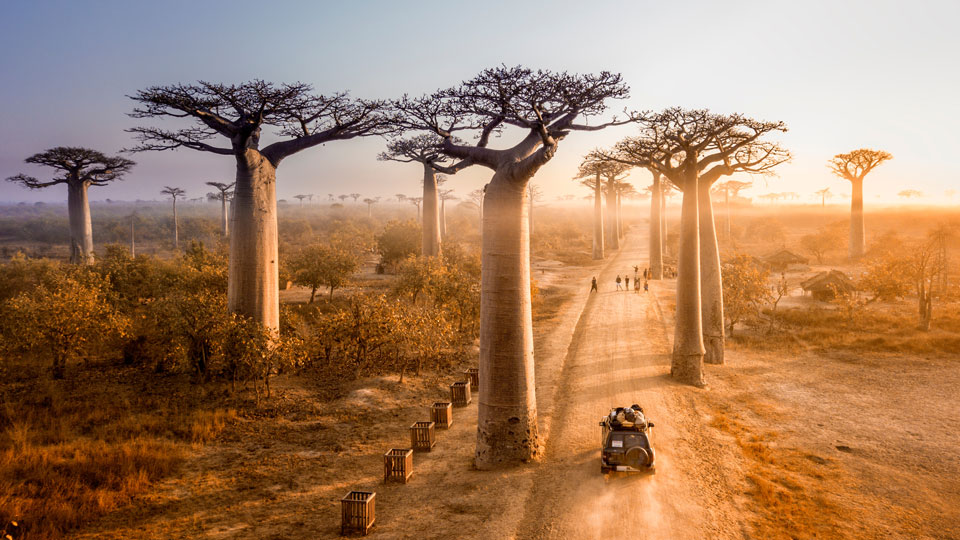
(625, 441)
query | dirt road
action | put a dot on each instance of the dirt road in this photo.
(619, 356)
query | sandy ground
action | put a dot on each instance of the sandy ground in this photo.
(843, 447)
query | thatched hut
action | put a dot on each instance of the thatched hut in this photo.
(826, 285)
(784, 259)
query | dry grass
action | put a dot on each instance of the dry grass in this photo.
(789, 488)
(72, 451)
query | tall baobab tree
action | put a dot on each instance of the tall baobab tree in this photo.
(545, 107)
(78, 168)
(425, 150)
(445, 195)
(300, 198)
(239, 113)
(624, 190)
(174, 193)
(224, 195)
(731, 187)
(693, 149)
(370, 202)
(854, 166)
(589, 174)
(823, 193)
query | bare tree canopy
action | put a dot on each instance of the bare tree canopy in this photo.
(425, 148)
(547, 104)
(75, 165)
(223, 188)
(855, 165)
(678, 142)
(173, 192)
(239, 112)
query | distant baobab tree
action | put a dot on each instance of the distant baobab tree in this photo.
(343, 198)
(355, 197)
(370, 202)
(476, 197)
(589, 174)
(445, 195)
(239, 113)
(224, 194)
(910, 194)
(824, 194)
(535, 196)
(416, 201)
(769, 197)
(854, 166)
(330, 197)
(729, 187)
(400, 197)
(545, 107)
(78, 168)
(693, 149)
(300, 198)
(174, 193)
(425, 150)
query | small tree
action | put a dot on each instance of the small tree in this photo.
(399, 240)
(174, 193)
(321, 265)
(78, 168)
(821, 242)
(745, 289)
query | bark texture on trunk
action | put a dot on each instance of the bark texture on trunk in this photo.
(431, 212)
(613, 239)
(711, 281)
(656, 240)
(81, 230)
(443, 221)
(598, 220)
(253, 288)
(856, 220)
(687, 363)
(507, 409)
(224, 223)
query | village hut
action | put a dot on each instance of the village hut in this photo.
(784, 259)
(826, 285)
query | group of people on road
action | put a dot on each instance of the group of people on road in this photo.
(623, 283)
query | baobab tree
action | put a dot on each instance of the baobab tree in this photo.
(624, 190)
(425, 150)
(545, 107)
(300, 198)
(727, 188)
(445, 195)
(174, 193)
(239, 113)
(476, 197)
(693, 149)
(370, 202)
(910, 194)
(823, 193)
(78, 168)
(854, 166)
(416, 201)
(355, 197)
(343, 198)
(224, 194)
(589, 174)
(535, 195)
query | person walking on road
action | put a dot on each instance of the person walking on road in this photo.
(619, 282)
(646, 286)
(593, 285)
(636, 286)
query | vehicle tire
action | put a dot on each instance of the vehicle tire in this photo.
(638, 457)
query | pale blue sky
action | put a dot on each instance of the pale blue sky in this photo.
(841, 74)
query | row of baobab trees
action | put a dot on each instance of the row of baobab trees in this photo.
(445, 132)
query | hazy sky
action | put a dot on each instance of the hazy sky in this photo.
(841, 74)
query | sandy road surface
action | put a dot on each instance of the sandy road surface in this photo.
(619, 356)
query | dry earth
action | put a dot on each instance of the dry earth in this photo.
(800, 447)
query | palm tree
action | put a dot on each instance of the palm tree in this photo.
(854, 166)
(174, 192)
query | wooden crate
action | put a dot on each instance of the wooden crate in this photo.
(442, 414)
(473, 375)
(398, 465)
(357, 512)
(423, 436)
(460, 393)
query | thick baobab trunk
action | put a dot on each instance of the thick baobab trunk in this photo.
(530, 217)
(613, 239)
(253, 289)
(431, 213)
(443, 220)
(81, 230)
(176, 227)
(856, 220)
(711, 281)
(507, 410)
(598, 219)
(656, 241)
(687, 364)
(224, 223)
